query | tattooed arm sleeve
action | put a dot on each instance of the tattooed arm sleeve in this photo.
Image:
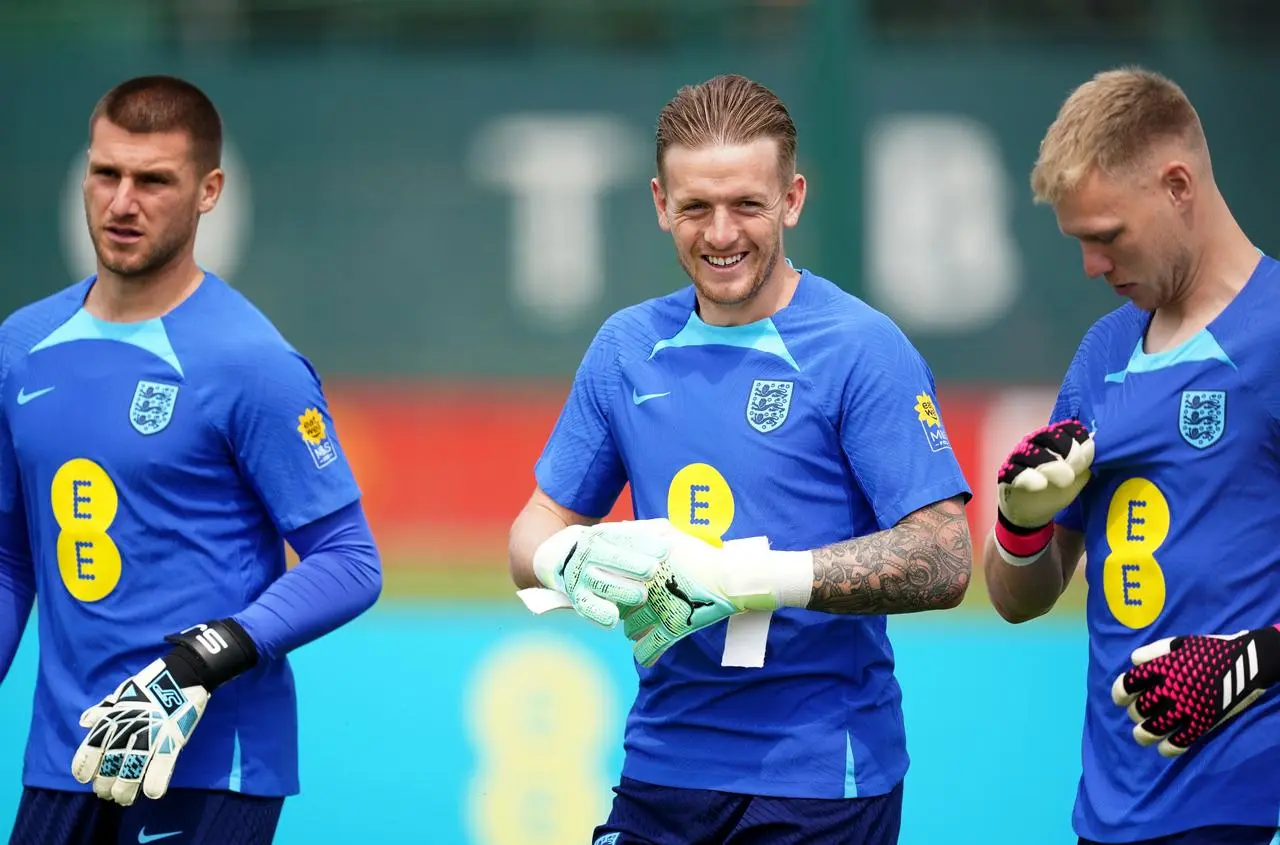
(922, 563)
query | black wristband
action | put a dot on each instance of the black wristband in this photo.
(211, 654)
(1268, 642)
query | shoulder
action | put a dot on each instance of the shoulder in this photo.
(32, 323)
(826, 321)
(229, 333)
(1111, 338)
(632, 332)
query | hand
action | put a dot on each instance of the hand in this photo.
(1181, 688)
(136, 732)
(1044, 473)
(603, 568)
(699, 585)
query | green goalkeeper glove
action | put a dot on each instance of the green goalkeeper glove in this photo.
(597, 569)
(700, 584)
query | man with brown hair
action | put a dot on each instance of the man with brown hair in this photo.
(792, 484)
(159, 443)
(1160, 468)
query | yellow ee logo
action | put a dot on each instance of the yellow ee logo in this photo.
(85, 502)
(1132, 580)
(700, 503)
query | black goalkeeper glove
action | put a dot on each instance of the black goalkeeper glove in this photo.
(135, 733)
(1181, 688)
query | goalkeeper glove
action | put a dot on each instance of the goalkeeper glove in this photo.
(1044, 473)
(1181, 688)
(599, 569)
(699, 585)
(136, 732)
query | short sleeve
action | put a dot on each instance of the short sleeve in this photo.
(580, 468)
(892, 431)
(285, 441)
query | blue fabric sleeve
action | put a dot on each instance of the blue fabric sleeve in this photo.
(338, 577)
(891, 430)
(285, 442)
(17, 574)
(580, 468)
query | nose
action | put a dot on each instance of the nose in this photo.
(123, 201)
(1096, 262)
(722, 232)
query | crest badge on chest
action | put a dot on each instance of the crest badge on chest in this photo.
(152, 406)
(768, 404)
(1202, 416)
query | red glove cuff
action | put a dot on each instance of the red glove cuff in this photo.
(1022, 547)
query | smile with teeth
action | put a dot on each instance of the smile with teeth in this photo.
(724, 260)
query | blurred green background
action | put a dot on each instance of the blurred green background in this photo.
(439, 201)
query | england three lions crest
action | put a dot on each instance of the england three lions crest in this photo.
(1202, 416)
(152, 406)
(768, 404)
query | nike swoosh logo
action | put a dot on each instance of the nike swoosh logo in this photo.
(640, 399)
(144, 837)
(24, 397)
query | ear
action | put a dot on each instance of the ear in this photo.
(1177, 183)
(793, 201)
(210, 190)
(660, 204)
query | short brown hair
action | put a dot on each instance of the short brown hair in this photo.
(727, 109)
(165, 104)
(1111, 123)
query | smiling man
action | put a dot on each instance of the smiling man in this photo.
(159, 443)
(792, 482)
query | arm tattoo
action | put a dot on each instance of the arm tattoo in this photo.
(922, 563)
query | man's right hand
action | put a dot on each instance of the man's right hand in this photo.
(1044, 473)
(603, 569)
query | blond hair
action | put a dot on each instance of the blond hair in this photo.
(726, 109)
(1111, 123)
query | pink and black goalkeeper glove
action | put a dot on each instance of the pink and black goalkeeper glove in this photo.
(1044, 473)
(1181, 688)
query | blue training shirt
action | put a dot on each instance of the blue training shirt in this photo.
(156, 467)
(810, 427)
(1179, 520)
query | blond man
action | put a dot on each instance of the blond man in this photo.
(793, 484)
(1161, 468)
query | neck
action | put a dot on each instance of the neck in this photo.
(1219, 273)
(132, 299)
(774, 295)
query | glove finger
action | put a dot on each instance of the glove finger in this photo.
(105, 778)
(1152, 705)
(125, 789)
(614, 588)
(627, 560)
(1169, 748)
(1151, 651)
(1144, 737)
(588, 604)
(638, 621)
(1027, 479)
(156, 781)
(1120, 694)
(1080, 457)
(1057, 473)
(87, 759)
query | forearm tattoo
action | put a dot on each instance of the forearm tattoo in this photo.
(922, 563)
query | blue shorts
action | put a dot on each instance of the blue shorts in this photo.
(644, 814)
(181, 817)
(1216, 835)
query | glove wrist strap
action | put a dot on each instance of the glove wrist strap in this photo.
(763, 579)
(1268, 642)
(1020, 546)
(211, 654)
